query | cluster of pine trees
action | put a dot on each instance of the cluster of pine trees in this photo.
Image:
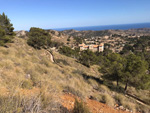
(131, 69)
(40, 38)
(6, 30)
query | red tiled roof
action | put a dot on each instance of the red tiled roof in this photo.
(80, 45)
(95, 46)
(101, 44)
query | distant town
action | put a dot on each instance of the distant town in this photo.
(114, 40)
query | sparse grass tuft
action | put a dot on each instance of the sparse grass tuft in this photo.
(27, 84)
(80, 107)
(105, 98)
(142, 109)
(73, 91)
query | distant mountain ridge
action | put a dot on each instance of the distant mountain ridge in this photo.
(89, 33)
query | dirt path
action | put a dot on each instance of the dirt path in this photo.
(51, 57)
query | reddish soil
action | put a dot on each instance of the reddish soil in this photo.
(94, 106)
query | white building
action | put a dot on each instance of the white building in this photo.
(94, 48)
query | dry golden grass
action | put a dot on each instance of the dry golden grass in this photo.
(106, 98)
(26, 71)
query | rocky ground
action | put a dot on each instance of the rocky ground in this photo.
(93, 105)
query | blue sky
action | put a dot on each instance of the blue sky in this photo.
(49, 14)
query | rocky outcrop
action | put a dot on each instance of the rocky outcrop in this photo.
(21, 33)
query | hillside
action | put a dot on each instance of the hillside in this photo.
(89, 34)
(31, 82)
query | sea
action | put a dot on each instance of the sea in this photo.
(108, 27)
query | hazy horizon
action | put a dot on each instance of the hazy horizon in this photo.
(50, 14)
(78, 27)
(103, 25)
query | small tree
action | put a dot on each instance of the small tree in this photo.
(6, 25)
(6, 30)
(69, 52)
(113, 66)
(39, 38)
(135, 71)
(88, 58)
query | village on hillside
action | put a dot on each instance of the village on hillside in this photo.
(113, 42)
(98, 43)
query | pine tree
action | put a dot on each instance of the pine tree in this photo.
(6, 30)
(135, 71)
(39, 38)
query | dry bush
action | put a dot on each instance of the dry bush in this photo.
(93, 83)
(80, 107)
(106, 98)
(18, 104)
(45, 61)
(36, 78)
(42, 69)
(104, 89)
(142, 94)
(27, 84)
(7, 63)
(30, 101)
(120, 99)
(79, 85)
(50, 102)
(125, 102)
(142, 109)
(77, 71)
(64, 62)
(73, 91)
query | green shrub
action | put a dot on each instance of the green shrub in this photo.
(6, 25)
(6, 30)
(69, 52)
(39, 38)
(80, 107)
(56, 44)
